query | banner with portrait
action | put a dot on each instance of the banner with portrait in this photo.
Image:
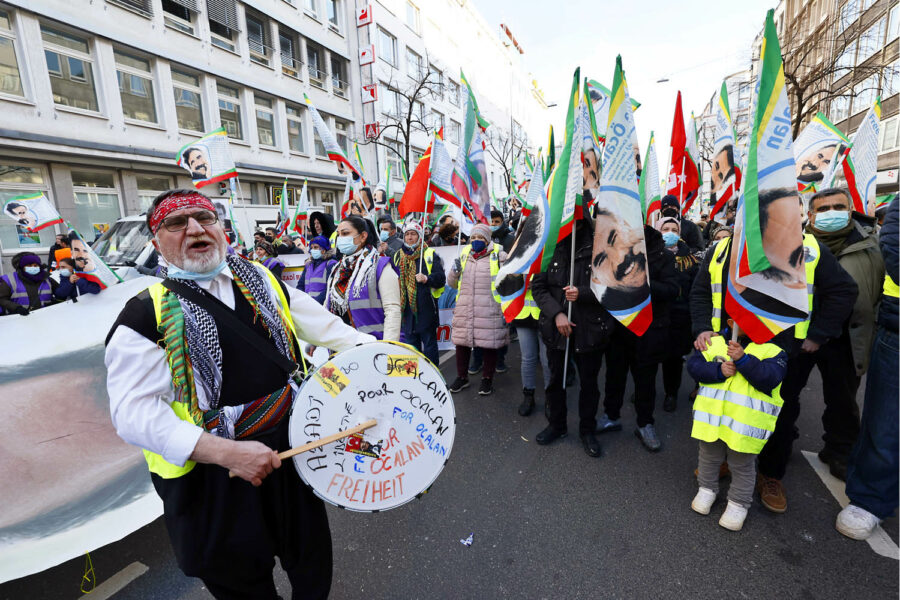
(208, 159)
(88, 265)
(33, 212)
(816, 149)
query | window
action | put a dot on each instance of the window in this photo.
(17, 180)
(295, 128)
(894, 22)
(222, 36)
(890, 80)
(846, 60)
(848, 15)
(419, 112)
(223, 23)
(71, 69)
(332, 11)
(179, 14)
(392, 156)
(230, 111)
(149, 187)
(188, 101)
(265, 120)
(387, 47)
(309, 6)
(342, 133)
(453, 134)
(135, 87)
(437, 120)
(338, 78)
(412, 17)
(10, 81)
(258, 39)
(890, 134)
(317, 74)
(96, 200)
(290, 52)
(872, 40)
(413, 63)
(840, 109)
(865, 92)
(436, 82)
(454, 92)
(390, 101)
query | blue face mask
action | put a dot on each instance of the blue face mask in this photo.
(32, 270)
(832, 220)
(65, 273)
(384, 235)
(494, 228)
(178, 273)
(316, 254)
(670, 238)
(478, 245)
(345, 245)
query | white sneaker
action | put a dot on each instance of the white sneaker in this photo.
(856, 523)
(733, 517)
(703, 501)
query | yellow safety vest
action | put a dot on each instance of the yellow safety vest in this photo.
(530, 309)
(429, 261)
(155, 462)
(890, 287)
(718, 270)
(734, 411)
(495, 267)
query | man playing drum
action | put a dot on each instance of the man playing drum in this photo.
(200, 377)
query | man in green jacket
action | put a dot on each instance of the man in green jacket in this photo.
(841, 360)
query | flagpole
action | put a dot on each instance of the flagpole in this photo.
(681, 188)
(424, 216)
(569, 310)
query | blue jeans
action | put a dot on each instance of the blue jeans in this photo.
(533, 350)
(425, 342)
(872, 468)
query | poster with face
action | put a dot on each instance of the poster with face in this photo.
(88, 265)
(816, 148)
(32, 211)
(208, 160)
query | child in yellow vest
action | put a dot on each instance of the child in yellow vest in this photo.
(734, 414)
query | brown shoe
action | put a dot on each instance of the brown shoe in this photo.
(771, 493)
(724, 471)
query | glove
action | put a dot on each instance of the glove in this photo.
(21, 310)
(457, 266)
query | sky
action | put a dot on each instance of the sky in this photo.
(684, 41)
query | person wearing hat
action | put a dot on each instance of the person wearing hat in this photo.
(680, 339)
(421, 284)
(265, 253)
(690, 233)
(27, 288)
(389, 241)
(317, 269)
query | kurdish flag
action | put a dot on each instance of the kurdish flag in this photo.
(648, 187)
(726, 174)
(469, 178)
(619, 274)
(208, 159)
(861, 164)
(283, 219)
(766, 285)
(332, 148)
(551, 155)
(441, 168)
(32, 211)
(600, 99)
(88, 265)
(301, 210)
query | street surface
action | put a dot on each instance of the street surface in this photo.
(551, 522)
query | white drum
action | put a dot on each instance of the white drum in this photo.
(389, 464)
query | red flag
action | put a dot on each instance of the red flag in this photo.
(413, 200)
(684, 179)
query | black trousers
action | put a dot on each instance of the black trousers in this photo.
(621, 357)
(228, 533)
(588, 364)
(841, 417)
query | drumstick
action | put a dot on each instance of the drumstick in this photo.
(323, 441)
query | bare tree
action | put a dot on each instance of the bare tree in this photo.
(814, 71)
(407, 116)
(505, 147)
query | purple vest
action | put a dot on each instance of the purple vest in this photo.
(20, 293)
(314, 279)
(365, 309)
(271, 262)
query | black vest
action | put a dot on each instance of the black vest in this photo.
(246, 376)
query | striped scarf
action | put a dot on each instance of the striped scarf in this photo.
(195, 356)
(409, 267)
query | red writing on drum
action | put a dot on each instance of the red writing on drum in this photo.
(362, 491)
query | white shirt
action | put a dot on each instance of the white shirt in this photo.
(139, 383)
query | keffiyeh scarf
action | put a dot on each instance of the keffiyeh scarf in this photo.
(348, 279)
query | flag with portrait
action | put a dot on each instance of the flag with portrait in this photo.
(208, 159)
(33, 211)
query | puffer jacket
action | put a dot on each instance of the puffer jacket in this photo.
(477, 318)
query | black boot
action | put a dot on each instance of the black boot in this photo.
(527, 402)
(670, 403)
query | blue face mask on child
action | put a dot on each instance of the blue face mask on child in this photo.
(478, 245)
(316, 254)
(65, 273)
(670, 238)
(345, 245)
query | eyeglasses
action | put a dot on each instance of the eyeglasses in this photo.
(179, 222)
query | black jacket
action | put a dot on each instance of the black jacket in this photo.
(427, 316)
(592, 323)
(327, 222)
(690, 233)
(887, 316)
(686, 274)
(505, 237)
(833, 298)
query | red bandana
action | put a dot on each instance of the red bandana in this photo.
(173, 203)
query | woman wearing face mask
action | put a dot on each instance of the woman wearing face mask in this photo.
(680, 337)
(28, 288)
(70, 284)
(477, 319)
(363, 289)
(265, 253)
(317, 269)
